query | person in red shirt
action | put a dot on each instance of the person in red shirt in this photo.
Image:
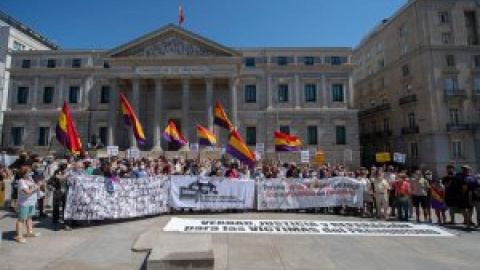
(403, 191)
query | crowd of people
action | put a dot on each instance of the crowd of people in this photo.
(391, 194)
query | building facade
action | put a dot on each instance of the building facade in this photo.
(417, 85)
(175, 75)
(15, 36)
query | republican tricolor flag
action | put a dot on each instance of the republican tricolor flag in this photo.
(286, 143)
(238, 149)
(66, 132)
(131, 119)
(205, 136)
(172, 135)
(221, 117)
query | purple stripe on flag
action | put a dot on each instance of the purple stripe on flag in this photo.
(284, 148)
(240, 156)
(222, 123)
(204, 142)
(62, 137)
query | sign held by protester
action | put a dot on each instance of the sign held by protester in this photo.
(320, 158)
(305, 156)
(214, 193)
(112, 151)
(383, 157)
(302, 227)
(133, 153)
(275, 194)
(399, 158)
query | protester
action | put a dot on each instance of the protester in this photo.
(367, 193)
(59, 184)
(420, 189)
(468, 183)
(402, 193)
(438, 200)
(476, 198)
(381, 189)
(27, 199)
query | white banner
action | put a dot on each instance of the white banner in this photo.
(211, 193)
(296, 227)
(309, 193)
(98, 198)
(304, 156)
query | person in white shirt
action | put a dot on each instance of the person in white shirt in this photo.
(27, 199)
(381, 189)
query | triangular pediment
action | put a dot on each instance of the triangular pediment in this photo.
(171, 41)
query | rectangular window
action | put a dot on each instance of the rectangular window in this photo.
(103, 131)
(456, 149)
(443, 17)
(285, 129)
(450, 60)
(403, 31)
(386, 124)
(337, 91)
(105, 94)
(48, 94)
(446, 38)
(17, 136)
(22, 95)
(282, 61)
(250, 62)
(26, 63)
(310, 92)
(76, 63)
(340, 135)
(412, 122)
(250, 93)
(312, 135)
(283, 92)
(309, 61)
(51, 63)
(414, 150)
(17, 46)
(405, 70)
(476, 85)
(476, 61)
(451, 84)
(336, 60)
(73, 94)
(454, 116)
(43, 136)
(251, 133)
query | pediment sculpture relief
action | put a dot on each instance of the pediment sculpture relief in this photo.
(175, 46)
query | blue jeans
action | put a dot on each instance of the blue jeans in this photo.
(403, 208)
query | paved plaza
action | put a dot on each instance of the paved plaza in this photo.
(109, 246)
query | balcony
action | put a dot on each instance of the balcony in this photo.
(383, 107)
(459, 127)
(379, 108)
(476, 95)
(410, 130)
(454, 95)
(407, 99)
(384, 133)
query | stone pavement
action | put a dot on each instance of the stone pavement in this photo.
(109, 247)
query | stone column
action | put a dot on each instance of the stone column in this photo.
(87, 87)
(60, 91)
(34, 93)
(269, 92)
(12, 91)
(297, 92)
(209, 100)
(325, 91)
(113, 107)
(233, 94)
(350, 92)
(134, 104)
(185, 107)
(157, 117)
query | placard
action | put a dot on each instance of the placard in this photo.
(383, 157)
(304, 156)
(303, 227)
(194, 146)
(133, 153)
(320, 158)
(112, 150)
(399, 157)
(260, 147)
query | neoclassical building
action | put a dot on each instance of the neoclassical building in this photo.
(175, 75)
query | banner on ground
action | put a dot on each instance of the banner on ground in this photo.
(308, 193)
(98, 198)
(213, 193)
(301, 227)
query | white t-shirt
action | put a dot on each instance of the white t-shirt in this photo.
(25, 199)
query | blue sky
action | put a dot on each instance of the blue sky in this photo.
(96, 24)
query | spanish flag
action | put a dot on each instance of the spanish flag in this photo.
(172, 135)
(181, 17)
(131, 120)
(286, 143)
(237, 148)
(66, 132)
(221, 118)
(205, 136)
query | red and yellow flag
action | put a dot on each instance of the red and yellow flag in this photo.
(66, 132)
(131, 120)
(205, 136)
(238, 149)
(221, 117)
